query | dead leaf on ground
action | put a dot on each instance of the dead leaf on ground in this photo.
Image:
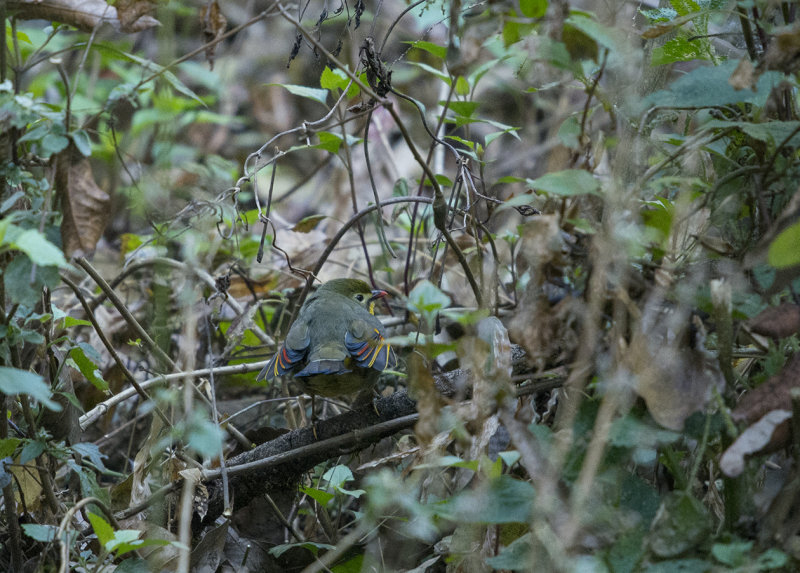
(762, 437)
(86, 15)
(674, 378)
(774, 394)
(777, 321)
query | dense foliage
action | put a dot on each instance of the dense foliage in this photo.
(588, 218)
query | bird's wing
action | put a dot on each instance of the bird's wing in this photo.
(365, 343)
(294, 349)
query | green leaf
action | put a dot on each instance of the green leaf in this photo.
(314, 548)
(533, 8)
(87, 367)
(426, 299)
(8, 447)
(682, 523)
(39, 249)
(772, 132)
(567, 183)
(333, 79)
(92, 453)
(102, 528)
(430, 47)
(517, 556)
(154, 68)
(52, 143)
(490, 137)
(772, 558)
(328, 142)
(322, 497)
(569, 132)
(338, 475)
(678, 49)
(438, 73)
(315, 94)
(462, 86)
(81, 140)
(784, 251)
(611, 38)
(15, 381)
(43, 533)
(308, 224)
(504, 500)
(30, 451)
(465, 108)
(17, 280)
(708, 86)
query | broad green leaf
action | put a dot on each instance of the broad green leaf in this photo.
(612, 39)
(438, 73)
(772, 132)
(465, 108)
(152, 67)
(426, 299)
(682, 522)
(320, 496)
(567, 183)
(30, 451)
(708, 86)
(39, 249)
(518, 556)
(315, 94)
(462, 86)
(102, 528)
(430, 47)
(503, 500)
(43, 533)
(87, 367)
(81, 140)
(17, 280)
(328, 142)
(308, 224)
(490, 137)
(338, 475)
(785, 248)
(533, 8)
(14, 381)
(678, 49)
(8, 446)
(333, 79)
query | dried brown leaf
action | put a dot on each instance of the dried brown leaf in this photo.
(132, 11)
(86, 15)
(777, 321)
(774, 394)
(674, 379)
(214, 24)
(768, 434)
(83, 203)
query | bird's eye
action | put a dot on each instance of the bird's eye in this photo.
(360, 297)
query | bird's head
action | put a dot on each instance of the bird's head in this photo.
(354, 289)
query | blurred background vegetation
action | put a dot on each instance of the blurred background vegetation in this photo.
(587, 215)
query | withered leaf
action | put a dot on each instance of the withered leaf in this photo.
(675, 381)
(308, 223)
(83, 203)
(214, 24)
(768, 434)
(774, 394)
(85, 15)
(777, 321)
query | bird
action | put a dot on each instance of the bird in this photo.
(336, 346)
